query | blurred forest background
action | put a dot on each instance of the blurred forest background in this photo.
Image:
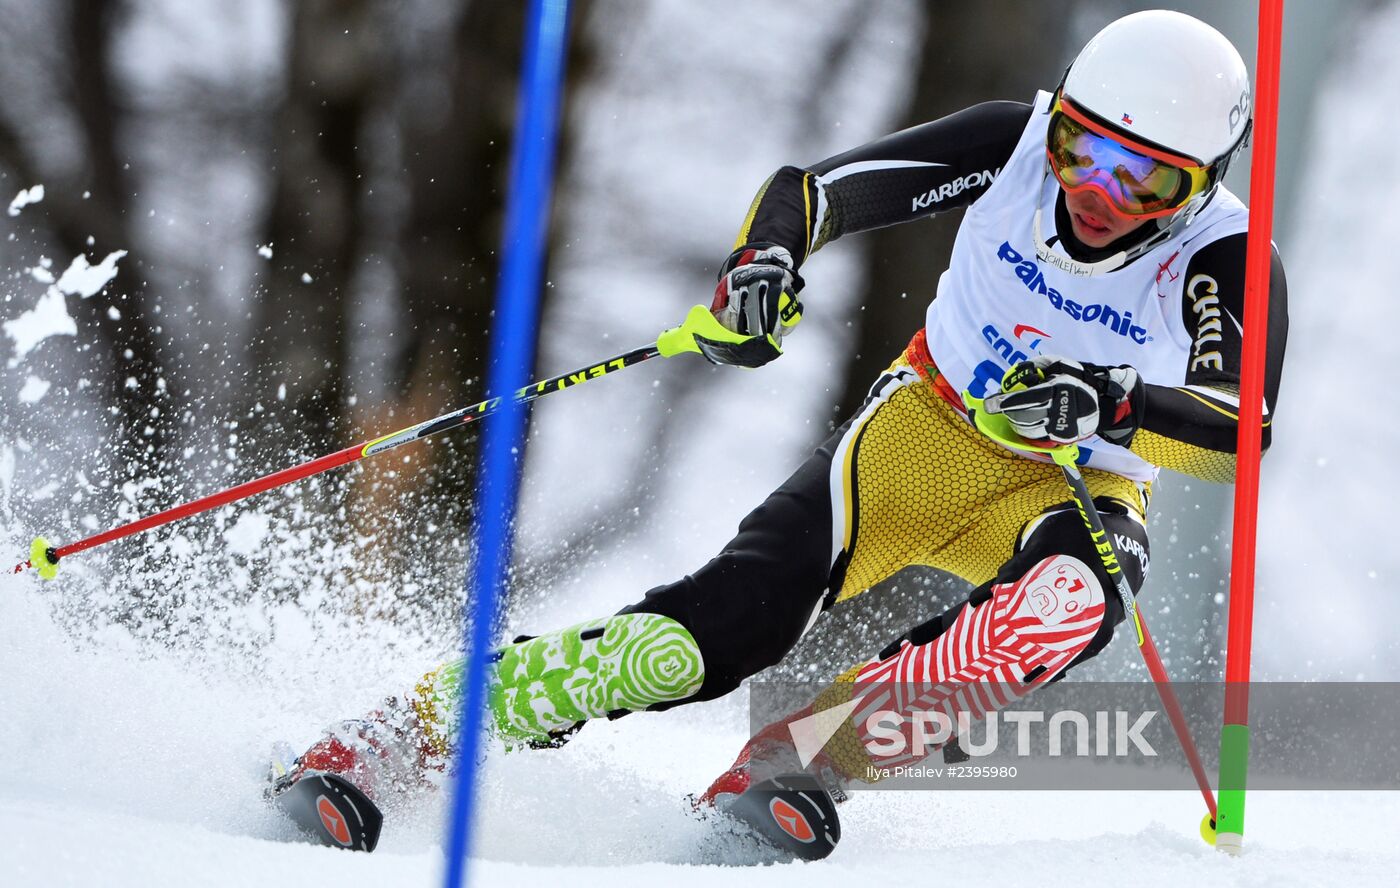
(310, 196)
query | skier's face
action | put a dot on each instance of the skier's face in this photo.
(1094, 222)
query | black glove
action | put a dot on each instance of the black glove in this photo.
(756, 298)
(1057, 400)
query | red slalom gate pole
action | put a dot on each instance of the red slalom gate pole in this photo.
(1234, 735)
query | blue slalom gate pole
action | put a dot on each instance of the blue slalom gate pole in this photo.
(512, 357)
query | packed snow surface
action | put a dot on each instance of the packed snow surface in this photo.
(141, 767)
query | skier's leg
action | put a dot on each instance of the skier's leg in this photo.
(1050, 606)
(694, 639)
(750, 604)
(741, 612)
(545, 687)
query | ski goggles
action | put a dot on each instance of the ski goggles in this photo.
(1137, 179)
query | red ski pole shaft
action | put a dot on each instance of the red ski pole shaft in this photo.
(1170, 702)
(1108, 553)
(213, 501)
(455, 419)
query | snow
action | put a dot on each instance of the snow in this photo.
(87, 280)
(136, 755)
(125, 851)
(1325, 545)
(139, 765)
(34, 390)
(140, 759)
(26, 197)
(248, 533)
(7, 472)
(49, 317)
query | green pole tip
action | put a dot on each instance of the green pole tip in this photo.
(43, 558)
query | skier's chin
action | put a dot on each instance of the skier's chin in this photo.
(1096, 231)
(1096, 226)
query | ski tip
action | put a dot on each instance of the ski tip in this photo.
(332, 810)
(279, 767)
(793, 813)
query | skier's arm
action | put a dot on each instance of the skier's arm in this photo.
(941, 165)
(1192, 428)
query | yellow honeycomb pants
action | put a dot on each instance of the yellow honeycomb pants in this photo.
(913, 482)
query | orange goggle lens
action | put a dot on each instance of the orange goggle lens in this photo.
(1135, 183)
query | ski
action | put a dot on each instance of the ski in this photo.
(792, 813)
(326, 807)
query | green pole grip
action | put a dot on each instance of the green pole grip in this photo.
(699, 321)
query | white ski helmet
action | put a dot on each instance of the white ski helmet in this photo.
(1165, 85)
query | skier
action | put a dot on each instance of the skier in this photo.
(1099, 258)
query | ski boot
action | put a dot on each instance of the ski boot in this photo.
(785, 802)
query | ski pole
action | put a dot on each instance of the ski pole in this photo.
(999, 429)
(670, 343)
(1065, 458)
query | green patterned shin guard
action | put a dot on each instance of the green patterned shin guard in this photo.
(546, 685)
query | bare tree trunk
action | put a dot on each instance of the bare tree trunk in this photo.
(314, 222)
(105, 217)
(454, 116)
(456, 132)
(456, 159)
(456, 166)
